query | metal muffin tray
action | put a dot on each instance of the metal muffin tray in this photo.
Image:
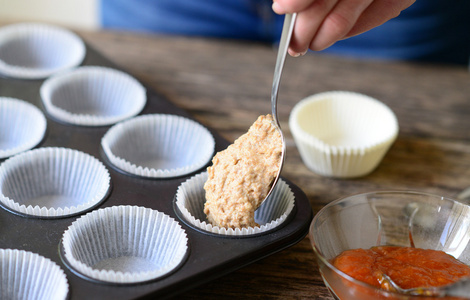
(210, 256)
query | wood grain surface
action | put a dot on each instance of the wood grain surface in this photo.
(226, 84)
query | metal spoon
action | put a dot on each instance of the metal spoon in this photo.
(286, 35)
(460, 288)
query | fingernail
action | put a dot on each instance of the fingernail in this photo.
(293, 53)
(297, 54)
(277, 8)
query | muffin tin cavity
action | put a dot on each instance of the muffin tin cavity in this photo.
(125, 244)
(158, 146)
(52, 182)
(93, 96)
(22, 125)
(190, 199)
(26, 275)
(35, 51)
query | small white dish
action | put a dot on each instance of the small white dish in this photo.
(342, 134)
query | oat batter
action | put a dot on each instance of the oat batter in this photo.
(242, 175)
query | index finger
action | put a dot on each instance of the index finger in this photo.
(283, 7)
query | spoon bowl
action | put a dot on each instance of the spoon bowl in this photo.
(286, 35)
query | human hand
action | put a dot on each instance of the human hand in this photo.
(321, 23)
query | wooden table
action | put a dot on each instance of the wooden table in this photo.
(225, 85)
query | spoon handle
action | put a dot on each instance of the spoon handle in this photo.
(289, 20)
(286, 35)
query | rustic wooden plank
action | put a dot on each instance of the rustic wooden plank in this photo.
(226, 85)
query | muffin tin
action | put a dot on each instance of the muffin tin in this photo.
(207, 255)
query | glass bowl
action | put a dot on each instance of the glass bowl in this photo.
(394, 218)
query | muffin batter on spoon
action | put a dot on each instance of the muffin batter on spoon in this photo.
(242, 175)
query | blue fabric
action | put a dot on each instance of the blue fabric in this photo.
(429, 30)
(238, 19)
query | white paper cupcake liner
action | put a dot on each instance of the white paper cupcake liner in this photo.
(52, 182)
(93, 96)
(26, 275)
(22, 125)
(342, 134)
(125, 244)
(158, 146)
(35, 51)
(190, 199)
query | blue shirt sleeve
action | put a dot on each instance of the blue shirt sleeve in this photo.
(429, 30)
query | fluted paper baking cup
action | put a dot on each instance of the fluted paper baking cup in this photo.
(158, 146)
(342, 134)
(25, 275)
(125, 244)
(36, 51)
(52, 182)
(22, 125)
(190, 199)
(93, 96)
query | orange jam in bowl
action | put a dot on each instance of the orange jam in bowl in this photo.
(406, 266)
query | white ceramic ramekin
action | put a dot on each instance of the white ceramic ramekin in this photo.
(342, 134)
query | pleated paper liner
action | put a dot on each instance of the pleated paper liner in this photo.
(124, 245)
(26, 275)
(93, 96)
(158, 146)
(342, 134)
(37, 51)
(52, 182)
(190, 199)
(22, 126)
